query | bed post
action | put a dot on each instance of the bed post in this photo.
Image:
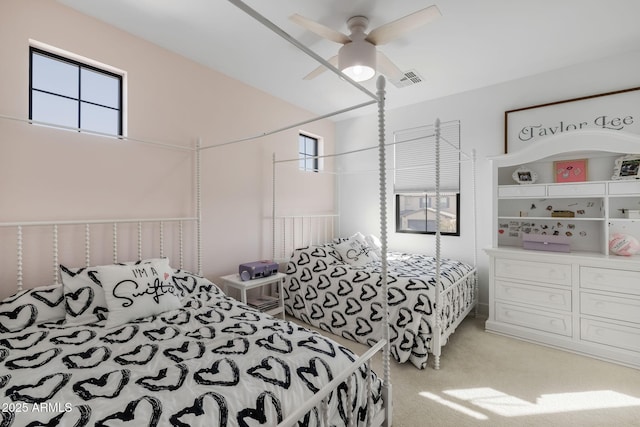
(273, 206)
(198, 208)
(386, 382)
(437, 332)
(475, 232)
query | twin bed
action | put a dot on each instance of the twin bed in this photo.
(326, 288)
(142, 343)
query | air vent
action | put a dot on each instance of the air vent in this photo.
(409, 78)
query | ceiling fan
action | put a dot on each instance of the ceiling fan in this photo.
(358, 58)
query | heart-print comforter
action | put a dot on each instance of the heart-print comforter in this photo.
(214, 362)
(324, 291)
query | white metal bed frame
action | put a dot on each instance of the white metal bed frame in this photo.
(320, 398)
(301, 236)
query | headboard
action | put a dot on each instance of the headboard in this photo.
(295, 231)
(40, 246)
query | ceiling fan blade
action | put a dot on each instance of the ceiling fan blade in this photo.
(388, 68)
(319, 29)
(321, 69)
(392, 30)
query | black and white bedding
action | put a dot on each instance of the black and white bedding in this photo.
(336, 287)
(211, 361)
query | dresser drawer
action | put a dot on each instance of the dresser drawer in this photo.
(624, 187)
(608, 279)
(546, 273)
(610, 334)
(543, 296)
(546, 321)
(522, 191)
(589, 189)
(613, 307)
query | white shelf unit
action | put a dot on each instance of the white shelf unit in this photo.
(588, 300)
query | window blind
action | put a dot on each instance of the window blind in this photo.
(415, 159)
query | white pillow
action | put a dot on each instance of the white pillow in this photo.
(31, 307)
(356, 251)
(137, 291)
(375, 244)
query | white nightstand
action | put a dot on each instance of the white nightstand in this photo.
(234, 281)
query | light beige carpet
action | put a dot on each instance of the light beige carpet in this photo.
(491, 380)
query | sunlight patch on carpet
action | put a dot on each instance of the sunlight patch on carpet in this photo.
(510, 406)
(454, 406)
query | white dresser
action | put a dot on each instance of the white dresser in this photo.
(586, 300)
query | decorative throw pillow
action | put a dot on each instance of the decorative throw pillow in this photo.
(375, 244)
(191, 284)
(137, 291)
(32, 307)
(355, 251)
(83, 295)
(624, 244)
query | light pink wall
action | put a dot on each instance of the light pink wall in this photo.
(49, 173)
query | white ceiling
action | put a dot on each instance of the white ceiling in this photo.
(474, 44)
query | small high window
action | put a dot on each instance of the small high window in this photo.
(69, 93)
(308, 152)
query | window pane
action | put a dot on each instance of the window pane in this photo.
(310, 164)
(54, 109)
(412, 216)
(311, 147)
(100, 88)
(416, 213)
(448, 215)
(99, 119)
(55, 76)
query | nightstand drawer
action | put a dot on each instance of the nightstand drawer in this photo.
(546, 321)
(610, 334)
(619, 308)
(537, 295)
(546, 273)
(608, 279)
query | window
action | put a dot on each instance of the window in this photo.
(416, 213)
(69, 93)
(308, 152)
(414, 180)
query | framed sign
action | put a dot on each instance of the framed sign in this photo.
(617, 111)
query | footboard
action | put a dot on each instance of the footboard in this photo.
(447, 298)
(319, 400)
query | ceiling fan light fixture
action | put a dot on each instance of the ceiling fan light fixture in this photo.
(358, 60)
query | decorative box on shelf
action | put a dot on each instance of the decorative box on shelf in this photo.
(563, 214)
(631, 213)
(546, 242)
